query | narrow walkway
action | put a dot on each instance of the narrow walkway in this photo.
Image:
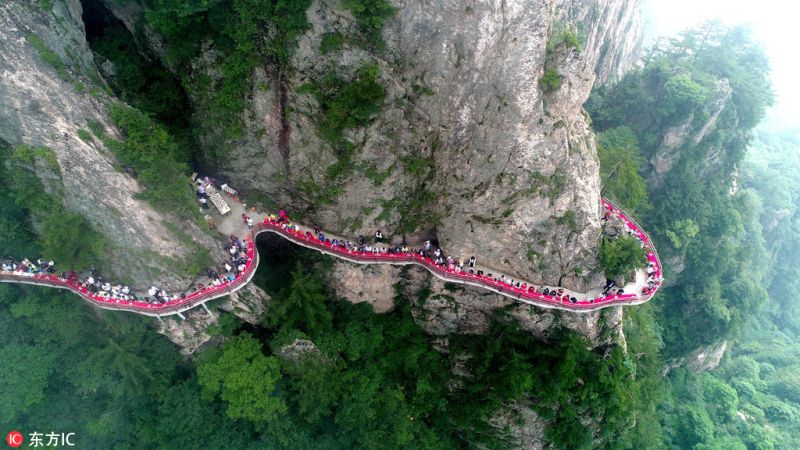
(636, 292)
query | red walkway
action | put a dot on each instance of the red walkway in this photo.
(199, 297)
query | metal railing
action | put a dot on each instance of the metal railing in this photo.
(524, 294)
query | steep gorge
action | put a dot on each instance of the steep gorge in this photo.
(50, 94)
(467, 147)
(470, 144)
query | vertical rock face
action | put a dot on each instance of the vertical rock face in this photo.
(470, 140)
(681, 137)
(614, 43)
(511, 158)
(43, 106)
(467, 141)
(518, 173)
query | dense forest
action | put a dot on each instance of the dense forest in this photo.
(725, 213)
(365, 380)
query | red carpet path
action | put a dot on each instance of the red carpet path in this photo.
(585, 302)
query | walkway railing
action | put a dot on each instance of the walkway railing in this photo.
(177, 306)
(525, 293)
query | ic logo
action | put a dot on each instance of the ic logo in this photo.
(14, 439)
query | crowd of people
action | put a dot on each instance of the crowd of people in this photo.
(26, 266)
(238, 257)
(429, 252)
(99, 288)
(653, 270)
(434, 255)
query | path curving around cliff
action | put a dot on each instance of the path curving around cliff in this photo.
(635, 293)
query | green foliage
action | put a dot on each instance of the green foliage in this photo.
(550, 80)
(680, 77)
(422, 90)
(681, 94)
(331, 42)
(65, 237)
(150, 151)
(695, 426)
(246, 33)
(69, 239)
(378, 382)
(721, 398)
(563, 34)
(371, 16)
(28, 154)
(106, 372)
(346, 105)
(141, 82)
(693, 208)
(737, 275)
(84, 135)
(619, 256)
(349, 104)
(49, 56)
(23, 378)
(244, 378)
(303, 307)
(620, 164)
(682, 232)
(45, 5)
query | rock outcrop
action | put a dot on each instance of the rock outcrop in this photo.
(688, 134)
(371, 284)
(192, 333)
(519, 427)
(299, 349)
(616, 42)
(469, 141)
(442, 308)
(700, 360)
(49, 90)
(248, 303)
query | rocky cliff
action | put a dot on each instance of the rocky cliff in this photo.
(480, 140)
(445, 308)
(704, 358)
(469, 146)
(49, 90)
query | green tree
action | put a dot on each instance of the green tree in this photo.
(721, 398)
(682, 232)
(23, 378)
(244, 378)
(550, 80)
(371, 15)
(303, 305)
(681, 95)
(695, 426)
(620, 256)
(152, 153)
(69, 239)
(620, 165)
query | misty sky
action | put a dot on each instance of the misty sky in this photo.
(774, 23)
